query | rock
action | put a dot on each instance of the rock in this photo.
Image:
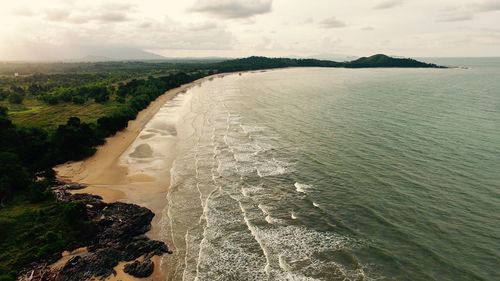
(75, 186)
(100, 263)
(121, 220)
(142, 245)
(140, 269)
(70, 186)
(119, 236)
(40, 272)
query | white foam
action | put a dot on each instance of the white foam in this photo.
(223, 161)
(283, 264)
(271, 167)
(269, 219)
(315, 204)
(300, 187)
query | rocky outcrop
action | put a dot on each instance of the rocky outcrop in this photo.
(140, 269)
(119, 237)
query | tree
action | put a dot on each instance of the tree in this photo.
(34, 89)
(17, 90)
(3, 94)
(3, 112)
(15, 98)
(75, 140)
(13, 176)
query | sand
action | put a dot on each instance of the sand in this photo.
(107, 176)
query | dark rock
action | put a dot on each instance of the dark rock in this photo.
(98, 263)
(142, 245)
(120, 220)
(119, 236)
(140, 269)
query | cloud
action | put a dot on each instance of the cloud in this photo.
(202, 26)
(457, 13)
(57, 14)
(145, 25)
(265, 43)
(332, 22)
(104, 13)
(112, 17)
(116, 6)
(389, 4)
(468, 12)
(456, 17)
(487, 6)
(232, 9)
(22, 12)
(307, 21)
(60, 15)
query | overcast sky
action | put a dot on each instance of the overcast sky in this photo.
(62, 29)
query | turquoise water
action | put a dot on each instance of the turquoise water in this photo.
(338, 174)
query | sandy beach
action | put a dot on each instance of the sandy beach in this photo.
(108, 174)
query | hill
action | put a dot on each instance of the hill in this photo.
(255, 63)
(381, 60)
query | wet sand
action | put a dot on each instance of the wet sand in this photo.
(108, 172)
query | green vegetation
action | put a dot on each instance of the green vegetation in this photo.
(45, 95)
(51, 113)
(33, 231)
(386, 61)
(32, 224)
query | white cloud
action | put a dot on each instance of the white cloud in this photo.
(231, 9)
(202, 26)
(460, 16)
(34, 28)
(112, 17)
(56, 14)
(487, 6)
(332, 22)
(22, 12)
(389, 4)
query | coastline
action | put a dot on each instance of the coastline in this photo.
(105, 174)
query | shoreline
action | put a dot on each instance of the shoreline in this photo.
(107, 176)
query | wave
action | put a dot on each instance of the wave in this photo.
(300, 187)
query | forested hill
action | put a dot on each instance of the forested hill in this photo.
(254, 63)
(381, 60)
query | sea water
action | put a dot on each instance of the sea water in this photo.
(338, 174)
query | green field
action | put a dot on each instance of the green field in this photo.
(33, 113)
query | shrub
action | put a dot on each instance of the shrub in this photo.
(15, 98)
(74, 212)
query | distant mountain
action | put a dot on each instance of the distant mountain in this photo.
(114, 54)
(255, 63)
(381, 60)
(94, 59)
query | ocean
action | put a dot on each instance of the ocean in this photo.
(337, 174)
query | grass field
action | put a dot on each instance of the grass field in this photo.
(34, 113)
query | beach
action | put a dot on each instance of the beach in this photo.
(248, 182)
(109, 172)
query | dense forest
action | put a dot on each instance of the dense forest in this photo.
(51, 113)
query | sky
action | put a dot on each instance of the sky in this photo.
(72, 29)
